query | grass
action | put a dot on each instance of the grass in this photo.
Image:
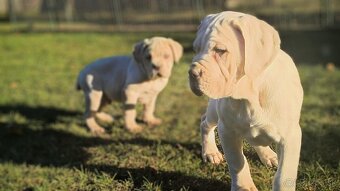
(44, 145)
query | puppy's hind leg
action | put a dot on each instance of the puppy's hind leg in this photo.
(289, 154)
(92, 101)
(267, 156)
(102, 116)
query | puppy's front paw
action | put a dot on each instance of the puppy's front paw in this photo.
(99, 132)
(153, 122)
(95, 129)
(134, 128)
(210, 152)
(243, 182)
(214, 158)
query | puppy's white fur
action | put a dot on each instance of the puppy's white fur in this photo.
(255, 92)
(129, 79)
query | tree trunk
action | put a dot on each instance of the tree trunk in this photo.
(69, 10)
(11, 11)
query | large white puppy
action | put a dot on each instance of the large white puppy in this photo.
(129, 79)
(255, 92)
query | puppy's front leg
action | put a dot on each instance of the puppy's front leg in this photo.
(149, 108)
(130, 111)
(210, 151)
(289, 154)
(237, 163)
(209, 121)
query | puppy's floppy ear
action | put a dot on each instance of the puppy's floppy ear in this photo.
(177, 49)
(139, 49)
(261, 44)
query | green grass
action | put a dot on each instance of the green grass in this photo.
(44, 145)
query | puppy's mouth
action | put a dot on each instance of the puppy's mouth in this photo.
(155, 75)
(196, 90)
(195, 84)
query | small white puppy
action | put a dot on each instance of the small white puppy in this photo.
(128, 80)
(255, 94)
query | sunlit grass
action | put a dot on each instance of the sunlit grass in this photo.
(44, 145)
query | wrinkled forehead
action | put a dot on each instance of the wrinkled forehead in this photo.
(159, 48)
(216, 29)
(157, 42)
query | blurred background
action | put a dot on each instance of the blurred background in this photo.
(309, 28)
(176, 15)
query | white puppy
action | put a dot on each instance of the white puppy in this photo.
(255, 92)
(129, 79)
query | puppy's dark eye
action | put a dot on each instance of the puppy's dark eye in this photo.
(220, 51)
(166, 56)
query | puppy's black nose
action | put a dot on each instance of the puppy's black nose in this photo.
(195, 72)
(155, 67)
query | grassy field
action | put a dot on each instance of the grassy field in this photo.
(44, 145)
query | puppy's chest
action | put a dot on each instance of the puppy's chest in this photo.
(242, 116)
(151, 88)
(237, 112)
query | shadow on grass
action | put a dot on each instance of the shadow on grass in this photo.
(45, 146)
(44, 115)
(320, 134)
(192, 147)
(22, 139)
(167, 179)
(323, 147)
(50, 147)
(35, 142)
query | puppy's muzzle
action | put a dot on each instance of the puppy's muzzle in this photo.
(195, 73)
(156, 72)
